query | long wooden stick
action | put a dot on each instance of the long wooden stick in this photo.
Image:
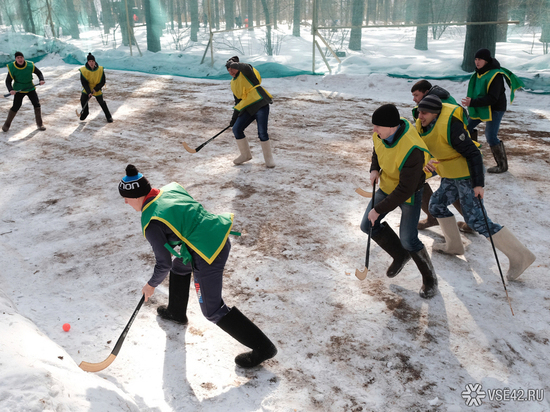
(190, 150)
(96, 367)
(495, 251)
(362, 274)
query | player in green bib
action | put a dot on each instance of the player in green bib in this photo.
(486, 102)
(92, 78)
(187, 240)
(20, 73)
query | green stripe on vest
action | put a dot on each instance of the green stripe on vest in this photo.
(202, 231)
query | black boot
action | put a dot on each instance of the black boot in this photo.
(429, 279)
(178, 297)
(499, 153)
(7, 124)
(244, 331)
(389, 241)
(430, 220)
(38, 116)
(105, 110)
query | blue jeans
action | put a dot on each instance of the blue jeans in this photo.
(491, 128)
(410, 213)
(244, 120)
(448, 192)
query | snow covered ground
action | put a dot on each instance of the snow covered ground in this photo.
(71, 252)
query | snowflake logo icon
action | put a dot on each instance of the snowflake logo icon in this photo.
(473, 394)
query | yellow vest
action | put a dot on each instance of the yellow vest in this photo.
(392, 158)
(243, 89)
(452, 165)
(93, 77)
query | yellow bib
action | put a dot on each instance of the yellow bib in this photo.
(93, 77)
(392, 158)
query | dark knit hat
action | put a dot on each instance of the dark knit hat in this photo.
(90, 57)
(234, 59)
(134, 184)
(18, 53)
(430, 103)
(386, 116)
(484, 54)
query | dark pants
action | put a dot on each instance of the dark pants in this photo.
(208, 282)
(244, 120)
(18, 100)
(85, 107)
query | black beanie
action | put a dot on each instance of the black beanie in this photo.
(134, 184)
(430, 103)
(386, 116)
(90, 57)
(484, 54)
(234, 59)
(17, 54)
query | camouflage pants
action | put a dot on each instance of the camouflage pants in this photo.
(449, 191)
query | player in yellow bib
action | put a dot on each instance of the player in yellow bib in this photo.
(92, 78)
(458, 161)
(398, 159)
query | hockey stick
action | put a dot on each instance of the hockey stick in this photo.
(17, 91)
(363, 192)
(495, 251)
(83, 107)
(186, 146)
(96, 367)
(362, 274)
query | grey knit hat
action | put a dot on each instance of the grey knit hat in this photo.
(431, 104)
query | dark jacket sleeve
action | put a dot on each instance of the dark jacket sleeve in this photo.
(463, 144)
(157, 237)
(38, 73)
(411, 179)
(9, 80)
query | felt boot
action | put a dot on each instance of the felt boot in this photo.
(247, 333)
(430, 220)
(7, 123)
(499, 153)
(38, 116)
(519, 256)
(244, 148)
(429, 279)
(453, 243)
(178, 297)
(268, 156)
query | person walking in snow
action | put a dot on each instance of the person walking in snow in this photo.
(398, 159)
(458, 160)
(486, 102)
(20, 73)
(170, 217)
(251, 103)
(92, 78)
(419, 90)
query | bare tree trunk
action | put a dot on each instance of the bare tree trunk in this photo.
(250, 17)
(107, 16)
(297, 18)
(153, 24)
(92, 13)
(229, 14)
(275, 13)
(72, 18)
(357, 8)
(422, 16)
(480, 36)
(269, 48)
(195, 24)
(502, 29)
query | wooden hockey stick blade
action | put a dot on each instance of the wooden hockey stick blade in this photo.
(77, 114)
(361, 274)
(96, 367)
(363, 192)
(189, 149)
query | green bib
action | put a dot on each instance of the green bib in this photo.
(479, 87)
(204, 232)
(22, 77)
